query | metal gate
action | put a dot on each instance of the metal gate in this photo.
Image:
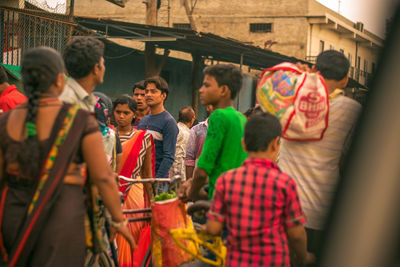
(23, 29)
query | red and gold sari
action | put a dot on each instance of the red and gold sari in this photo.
(138, 161)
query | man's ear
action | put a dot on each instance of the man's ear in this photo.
(226, 91)
(95, 69)
(344, 81)
(164, 95)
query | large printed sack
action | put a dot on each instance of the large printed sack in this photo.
(276, 88)
(299, 99)
(166, 215)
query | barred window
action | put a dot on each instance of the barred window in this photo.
(365, 65)
(182, 26)
(260, 27)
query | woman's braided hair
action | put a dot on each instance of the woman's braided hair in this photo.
(40, 67)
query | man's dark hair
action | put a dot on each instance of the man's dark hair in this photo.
(125, 99)
(260, 130)
(81, 54)
(138, 85)
(160, 83)
(226, 74)
(186, 114)
(332, 65)
(3, 75)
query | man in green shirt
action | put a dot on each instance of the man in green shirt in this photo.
(222, 149)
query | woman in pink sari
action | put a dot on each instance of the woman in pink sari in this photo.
(138, 159)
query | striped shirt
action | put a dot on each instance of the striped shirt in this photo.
(125, 137)
(315, 165)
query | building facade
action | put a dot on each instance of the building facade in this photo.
(299, 28)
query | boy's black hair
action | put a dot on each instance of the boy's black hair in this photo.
(125, 99)
(332, 65)
(186, 114)
(160, 83)
(226, 74)
(3, 75)
(260, 130)
(81, 54)
(139, 85)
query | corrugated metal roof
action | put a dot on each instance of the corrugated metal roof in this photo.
(199, 43)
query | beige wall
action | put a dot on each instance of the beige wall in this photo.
(233, 21)
(133, 12)
(12, 3)
(331, 38)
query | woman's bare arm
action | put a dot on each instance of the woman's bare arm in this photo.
(147, 168)
(103, 177)
(118, 160)
(147, 171)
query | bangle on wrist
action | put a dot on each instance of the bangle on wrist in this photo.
(119, 224)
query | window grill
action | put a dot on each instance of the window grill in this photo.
(260, 27)
(182, 26)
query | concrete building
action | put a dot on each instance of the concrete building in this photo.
(299, 28)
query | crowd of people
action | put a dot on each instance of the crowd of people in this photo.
(269, 196)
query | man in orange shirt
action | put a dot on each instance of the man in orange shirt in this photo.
(9, 95)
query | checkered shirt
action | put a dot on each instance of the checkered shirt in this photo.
(257, 202)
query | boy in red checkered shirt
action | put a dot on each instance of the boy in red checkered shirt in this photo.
(259, 203)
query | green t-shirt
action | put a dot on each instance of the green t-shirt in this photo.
(222, 150)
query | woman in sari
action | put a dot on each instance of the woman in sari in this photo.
(137, 162)
(43, 145)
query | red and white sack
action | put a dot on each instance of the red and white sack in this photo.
(307, 119)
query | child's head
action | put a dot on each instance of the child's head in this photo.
(124, 108)
(262, 133)
(220, 81)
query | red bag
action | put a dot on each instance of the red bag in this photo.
(166, 215)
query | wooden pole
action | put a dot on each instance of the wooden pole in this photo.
(150, 49)
(189, 13)
(151, 12)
